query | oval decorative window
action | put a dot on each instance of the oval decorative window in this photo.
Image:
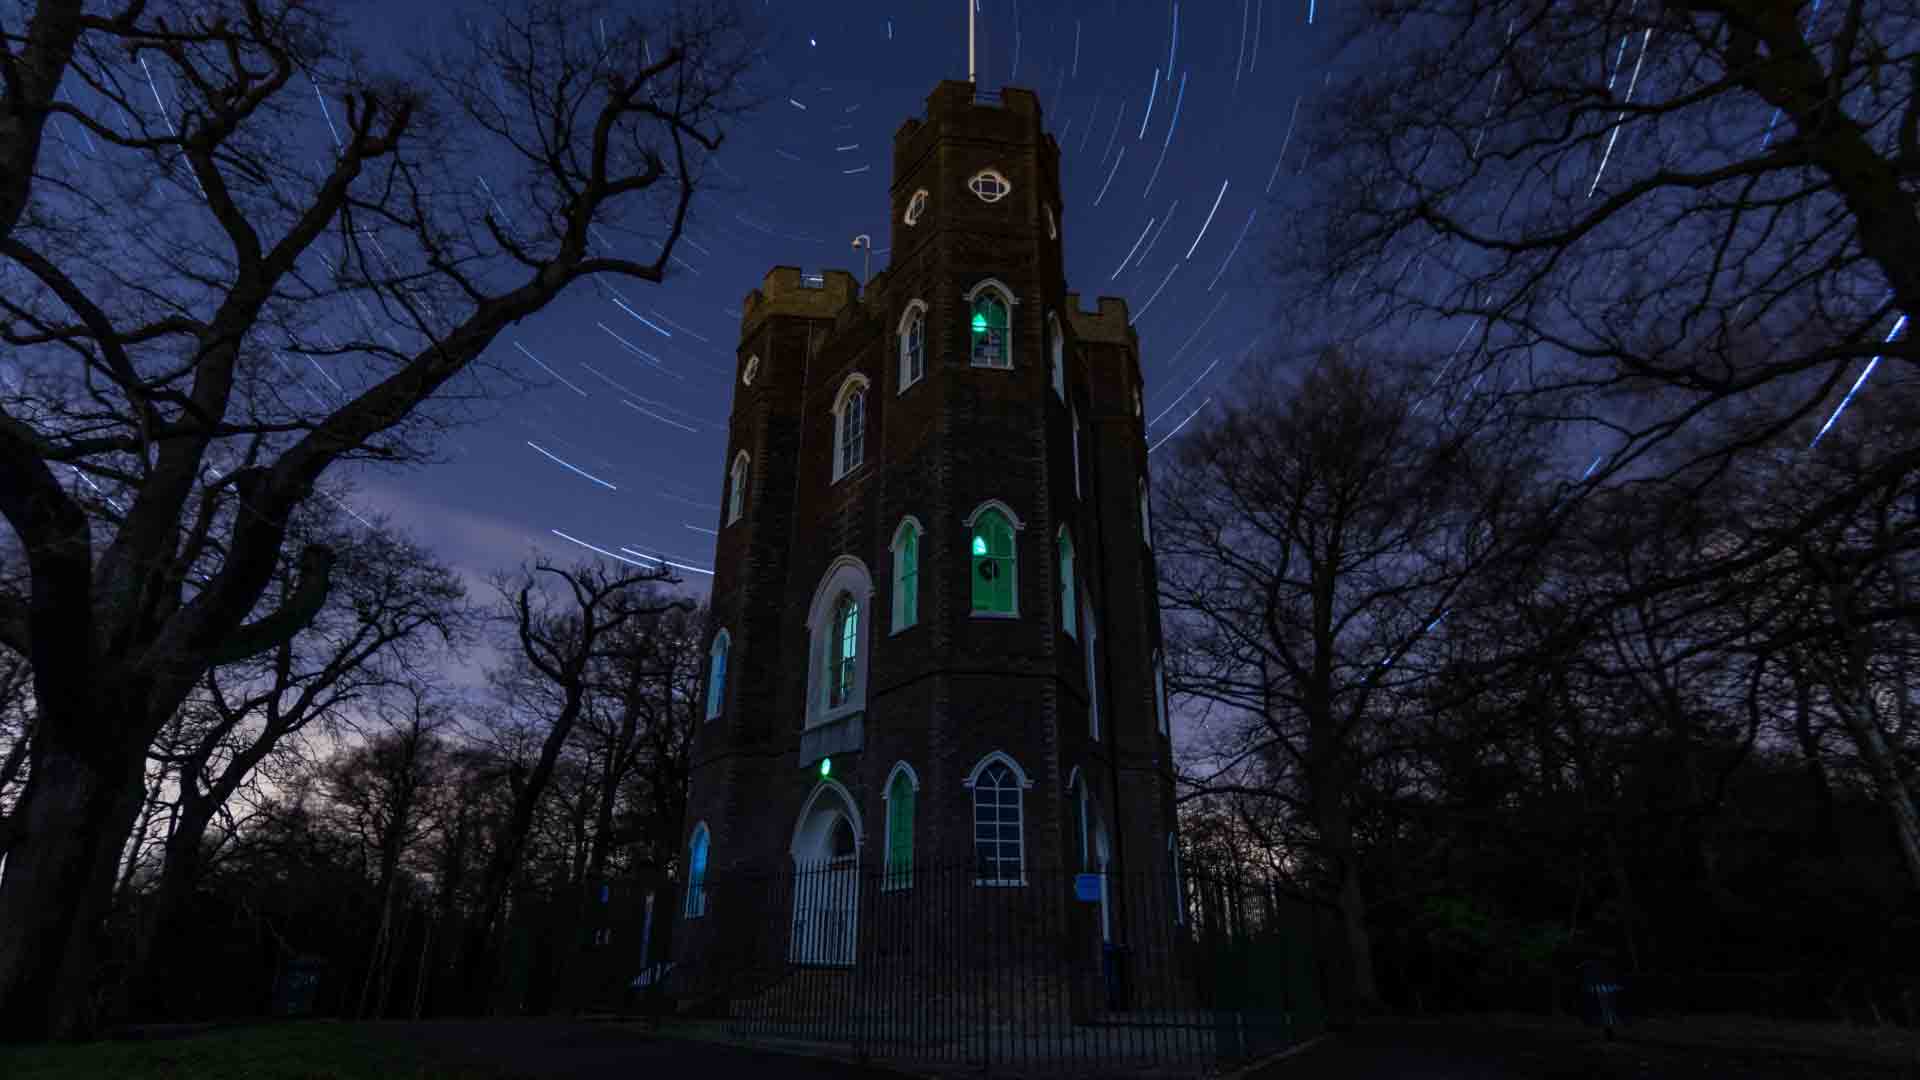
(753, 368)
(1053, 227)
(916, 206)
(989, 185)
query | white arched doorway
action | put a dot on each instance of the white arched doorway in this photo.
(826, 888)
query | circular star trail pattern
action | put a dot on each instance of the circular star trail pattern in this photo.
(1176, 124)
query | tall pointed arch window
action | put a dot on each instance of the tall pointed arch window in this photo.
(990, 328)
(999, 841)
(838, 619)
(913, 344)
(1146, 520)
(906, 575)
(995, 569)
(717, 673)
(843, 653)
(849, 426)
(1069, 601)
(737, 487)
(1057, 351)
(696, 905)
(902, 789)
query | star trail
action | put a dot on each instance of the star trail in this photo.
(630, 383)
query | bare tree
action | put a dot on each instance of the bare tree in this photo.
(1313, 539)
(162, 290)
(380, 791)
(391, 605)
(561, 645)
(1638, 219)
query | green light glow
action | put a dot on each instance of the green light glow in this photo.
(979, 323)
(979, 545)
(826, 766)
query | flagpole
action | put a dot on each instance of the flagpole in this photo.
(971, 4)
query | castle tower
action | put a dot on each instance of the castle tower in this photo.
(936, 638)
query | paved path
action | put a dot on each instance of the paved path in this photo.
(556, 1049)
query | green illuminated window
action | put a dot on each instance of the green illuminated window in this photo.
(846, 651)
(993, 564)
(992, 341)
(899, 832)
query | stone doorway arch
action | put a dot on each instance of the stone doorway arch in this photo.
(826, 887)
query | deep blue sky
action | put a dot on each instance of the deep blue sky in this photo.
(813, 172)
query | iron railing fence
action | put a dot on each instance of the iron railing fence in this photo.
(1057, 972)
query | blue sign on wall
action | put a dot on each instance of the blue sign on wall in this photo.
(1087, 887)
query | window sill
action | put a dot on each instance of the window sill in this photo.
(994, 615)
(906, 386)
(898, 630)
(988, 883)
(990, 367)
(842, 476)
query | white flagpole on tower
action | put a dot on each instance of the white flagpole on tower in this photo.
(971, 6)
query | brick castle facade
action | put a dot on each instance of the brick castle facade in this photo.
(934, 570)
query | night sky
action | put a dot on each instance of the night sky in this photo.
(1178, 228)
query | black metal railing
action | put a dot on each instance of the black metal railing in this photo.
(1058, 973)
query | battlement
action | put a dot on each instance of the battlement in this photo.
(1107, 325)
(789, 291)
(955, 108)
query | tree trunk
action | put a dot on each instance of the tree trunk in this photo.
(79, 805)
(1895, 792)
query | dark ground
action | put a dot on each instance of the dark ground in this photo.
(1490, 1049)
(563, 1050)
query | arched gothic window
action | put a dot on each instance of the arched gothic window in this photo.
(837, 654)
(995, 569)
(737, 487)
(1069, 602)
(1090, 638)
(1056, 346)
(850, 426)
(991, 329)
(717, 673)
(697, 872)
(906, 575)
(900, 793)
(1076, 453)
(844, 651)
(913, 344)
(1146, 521)
(999, 845)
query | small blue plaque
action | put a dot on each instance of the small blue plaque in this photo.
(1087, 887)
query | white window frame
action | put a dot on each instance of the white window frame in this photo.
(915, 309)
(1021, 783)
(976, 182)
(752, 369)
(736, 486)
(916, 206)
(890, 879)
(855, 384)
(717, 655)
(1067, 569)
(1019, 526)
(1057, 348)
(846, 574)
(909, 525)
(695, 904)
(1012, 301)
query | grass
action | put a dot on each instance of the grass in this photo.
(273, 1051)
